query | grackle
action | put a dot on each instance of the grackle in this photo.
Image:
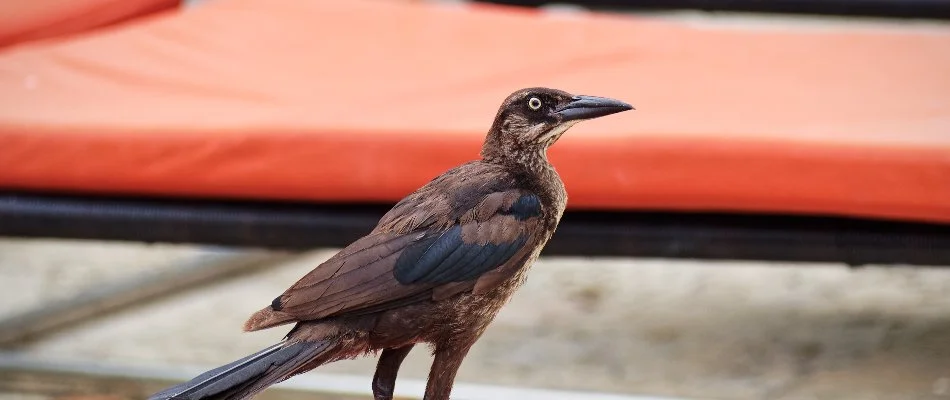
(436, 269)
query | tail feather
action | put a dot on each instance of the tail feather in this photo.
(243, 378)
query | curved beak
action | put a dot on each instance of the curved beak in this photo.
(587, 107)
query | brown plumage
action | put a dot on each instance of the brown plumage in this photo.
(436, 269)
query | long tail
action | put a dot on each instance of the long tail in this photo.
(250, 375)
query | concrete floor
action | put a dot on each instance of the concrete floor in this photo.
(717, 330)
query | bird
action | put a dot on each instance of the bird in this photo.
(436, 269)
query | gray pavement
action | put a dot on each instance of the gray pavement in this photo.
(720, 330)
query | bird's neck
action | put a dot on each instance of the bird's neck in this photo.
(529, 161)
(532, 169)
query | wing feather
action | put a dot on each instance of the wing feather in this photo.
(435, 243)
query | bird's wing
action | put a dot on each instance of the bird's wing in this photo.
(433, 244)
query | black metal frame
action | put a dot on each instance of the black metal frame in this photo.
(285, 225)
(931, 9)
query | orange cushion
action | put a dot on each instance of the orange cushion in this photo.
(27, 20)
(367, 100)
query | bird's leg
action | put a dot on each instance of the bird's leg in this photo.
(384, 381)
(448, 359)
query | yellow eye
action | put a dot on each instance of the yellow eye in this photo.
(534, 103)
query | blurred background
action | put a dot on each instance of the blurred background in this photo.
(773, 222)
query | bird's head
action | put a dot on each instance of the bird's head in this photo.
(530, 120)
